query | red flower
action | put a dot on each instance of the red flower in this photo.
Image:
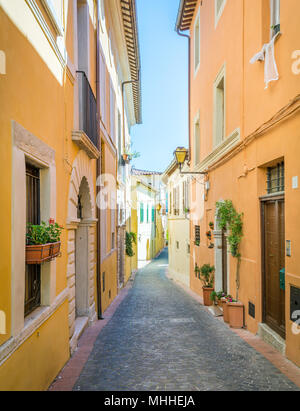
(51, 221)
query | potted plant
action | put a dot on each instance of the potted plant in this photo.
(216, 297)
(197, 243)
(42, 242)
(129, 154)
(224, 301)
(208, 234)
(211, 225)
(207, 278)
(229, 219)
(235, 313)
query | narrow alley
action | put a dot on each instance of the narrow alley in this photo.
(162, 339)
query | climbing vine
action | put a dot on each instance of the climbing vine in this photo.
(229, 219)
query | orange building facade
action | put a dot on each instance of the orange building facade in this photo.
(244, 132)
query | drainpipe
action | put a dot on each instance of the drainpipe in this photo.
(98, 162)
(124, 83)
(189, 86)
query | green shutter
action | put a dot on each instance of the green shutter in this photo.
(142, 213)
(153, 214)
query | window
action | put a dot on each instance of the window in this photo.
(275, 179)
(176, 201)
(147, 213)
(141, 213)
(33, 271)
(197, 234)
(153, 214)
(177, 245)
(197, 141)
(197, 42)
(275, 17)
(219, 109)
(219, 7)
(185, 196)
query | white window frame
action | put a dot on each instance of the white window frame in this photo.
(55, 20)
(197, 42)
(219, 13)
(220, 76)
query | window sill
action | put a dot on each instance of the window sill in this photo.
(31, 323)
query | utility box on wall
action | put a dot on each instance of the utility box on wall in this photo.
(294, 303)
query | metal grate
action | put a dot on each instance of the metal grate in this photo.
(275, 179)
(32, 272)
(87, 108)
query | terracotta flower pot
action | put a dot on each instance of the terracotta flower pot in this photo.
(37, 254)
(55, 249)
(206, 295)
(236, 314)
(225, 310)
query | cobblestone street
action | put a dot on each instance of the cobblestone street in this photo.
(162, 339)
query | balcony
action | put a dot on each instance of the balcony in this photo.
(86, 137)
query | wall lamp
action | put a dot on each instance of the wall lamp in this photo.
(181, 155)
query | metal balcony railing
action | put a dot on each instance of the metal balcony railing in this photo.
(87, 108)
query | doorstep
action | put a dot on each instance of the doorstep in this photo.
(81, 323)
(271, 337)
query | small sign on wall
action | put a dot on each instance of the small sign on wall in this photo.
(288, 248)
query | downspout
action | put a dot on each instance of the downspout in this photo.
(98, 162)
(189, 86)
(124, 83)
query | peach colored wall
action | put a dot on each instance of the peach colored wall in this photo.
(248, 106)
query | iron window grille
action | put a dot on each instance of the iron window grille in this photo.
(87, 108)
(275, 179)
(32, 272)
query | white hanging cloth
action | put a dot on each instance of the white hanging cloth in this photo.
(267, 54)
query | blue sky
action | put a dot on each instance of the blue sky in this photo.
(164, 65)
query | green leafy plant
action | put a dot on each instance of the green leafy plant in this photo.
(230, 219)
(130, 239)
(197, 243)
(197, 270)
(130, 153)
(207, 275)
(43, 233)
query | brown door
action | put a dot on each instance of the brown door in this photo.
(224, 261)
(273, 262)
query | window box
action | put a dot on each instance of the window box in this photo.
(38, 254)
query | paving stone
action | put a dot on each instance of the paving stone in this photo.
(160, 338)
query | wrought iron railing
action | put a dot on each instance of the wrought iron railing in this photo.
(87, 108)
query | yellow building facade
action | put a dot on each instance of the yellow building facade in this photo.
(58, 134)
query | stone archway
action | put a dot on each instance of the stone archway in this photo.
(81, 248)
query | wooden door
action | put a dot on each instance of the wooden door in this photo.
(224, 262)
(273, 262)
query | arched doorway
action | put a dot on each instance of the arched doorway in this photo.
(81, 225)
(84, 215)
